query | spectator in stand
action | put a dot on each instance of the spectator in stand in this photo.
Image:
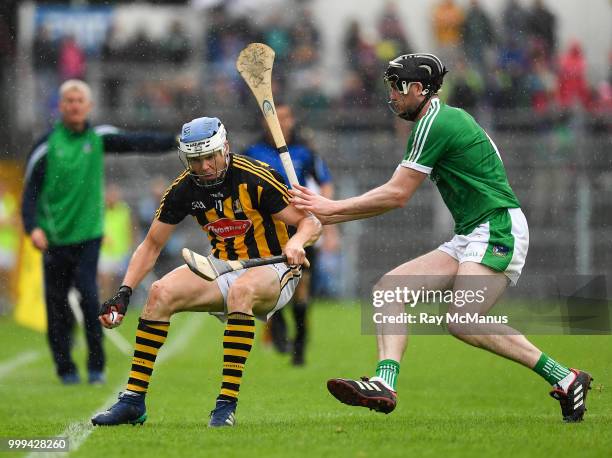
(112, 51)
(218, 21)
(311, 96)
(447, 21)
(603, 103)
(225, 38)
(72, 60)
(573, 86)
(542, 84)
(175, 46)
(306, 33)
(140, 48)
(7, 66)
(542, 27)
(45, 54)
(514, 62)
(393, 39)
(500, 89)
(478, 35)
(466, 87)
(352, 41)
(278, 36)
(354, 94)
(363, 64)
(515, 22)
(304, 77)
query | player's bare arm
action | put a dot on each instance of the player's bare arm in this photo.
(395, 193)
(140, 265)
(331, 236)
(308, 232)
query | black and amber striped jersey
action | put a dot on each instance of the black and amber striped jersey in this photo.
(237, 214)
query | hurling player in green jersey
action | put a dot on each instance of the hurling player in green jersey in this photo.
(487, 252)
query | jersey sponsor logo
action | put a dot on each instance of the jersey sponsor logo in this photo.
(226, 228)
(500, 250)
(197, 204)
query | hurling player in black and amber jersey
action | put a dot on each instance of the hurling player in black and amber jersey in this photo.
(243, 205)
(237, 215)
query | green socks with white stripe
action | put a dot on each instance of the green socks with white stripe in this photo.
(387, 371)
(552, 371)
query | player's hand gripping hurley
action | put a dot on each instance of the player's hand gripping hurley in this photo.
(254, 64)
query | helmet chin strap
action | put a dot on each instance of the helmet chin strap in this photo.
(412, 115)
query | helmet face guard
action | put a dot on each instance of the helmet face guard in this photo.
(204, 138)
(201, 179)
(391, 85)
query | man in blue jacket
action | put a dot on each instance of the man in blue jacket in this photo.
(312, 170)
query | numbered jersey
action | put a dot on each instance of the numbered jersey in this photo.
(236, 215)
(463, 162)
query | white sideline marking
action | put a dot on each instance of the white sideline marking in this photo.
(78, 432)
(119, 341)
(6, 367)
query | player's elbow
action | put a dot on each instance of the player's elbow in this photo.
(398, 198)
(317, 227)
(311, 227)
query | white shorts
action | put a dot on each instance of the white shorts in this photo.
(289, 277)
(501, 243)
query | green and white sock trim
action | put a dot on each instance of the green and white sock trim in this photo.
(550, 369)
(388, 370)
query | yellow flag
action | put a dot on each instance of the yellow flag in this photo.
(30, 310)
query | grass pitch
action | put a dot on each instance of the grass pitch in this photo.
(454, 400)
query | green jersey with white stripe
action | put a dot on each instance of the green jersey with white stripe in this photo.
(450, 146)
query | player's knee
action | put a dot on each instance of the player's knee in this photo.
(160, 298)
(241, 297)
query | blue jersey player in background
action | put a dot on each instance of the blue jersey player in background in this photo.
(311, 170)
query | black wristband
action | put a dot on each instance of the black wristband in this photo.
(125, 289)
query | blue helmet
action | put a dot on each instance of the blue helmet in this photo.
(203, 137)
